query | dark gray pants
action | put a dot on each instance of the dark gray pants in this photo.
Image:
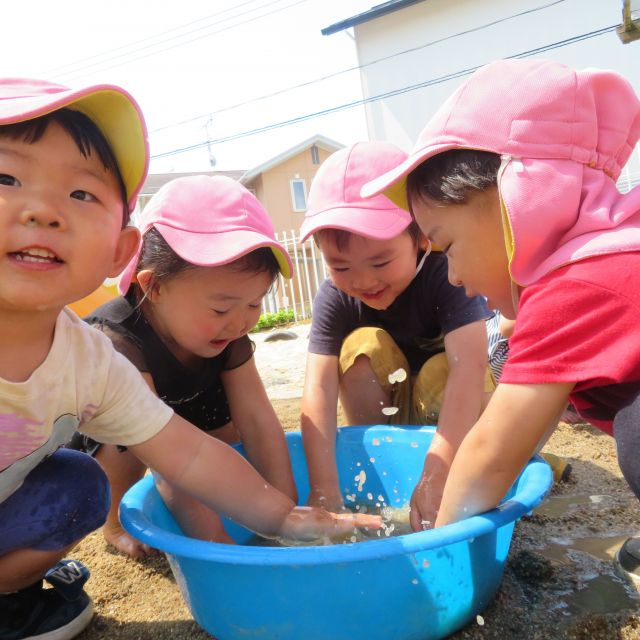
(626, 431)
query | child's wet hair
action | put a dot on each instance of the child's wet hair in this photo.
(165, 263)
(84, 132)
(341, 237)
(452, 176)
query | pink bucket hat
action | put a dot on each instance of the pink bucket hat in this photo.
(564, 136)
(335, 201)
(208, 221)
(111, 108)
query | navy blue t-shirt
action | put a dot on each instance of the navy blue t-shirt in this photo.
(418, 319)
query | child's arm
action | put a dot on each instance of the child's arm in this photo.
(262, 434)
(217, 475)
(498, 446)
(466, 350)
(318, 424)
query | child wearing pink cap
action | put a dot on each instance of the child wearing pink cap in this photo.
(390, 336)
(190, 295)
(71, 165)
(515, 178)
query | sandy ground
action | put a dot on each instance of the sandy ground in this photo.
(559, 581)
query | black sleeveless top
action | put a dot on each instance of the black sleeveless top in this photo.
(196, 395)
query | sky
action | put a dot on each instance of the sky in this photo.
(191, 63)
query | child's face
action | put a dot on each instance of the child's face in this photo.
(472, 238)
(373, 271)
(199, 311)
(60, 223)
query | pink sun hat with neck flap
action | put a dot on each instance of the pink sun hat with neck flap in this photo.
(209, 222)
(564, 136)
(110, 108)
(334, 198)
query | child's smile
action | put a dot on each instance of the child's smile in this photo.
(201, 310)
(37, 258)
(374, 271)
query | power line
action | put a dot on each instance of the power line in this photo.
(355, 68)
(61, 69)
(389, 94)
(83, 71)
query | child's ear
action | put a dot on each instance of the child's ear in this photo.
(145, 281)
(423, 243)
(125, 250)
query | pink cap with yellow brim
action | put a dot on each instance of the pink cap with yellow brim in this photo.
(111, 108)
(208, 221)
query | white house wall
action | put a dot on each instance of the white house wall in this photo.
(400, 118)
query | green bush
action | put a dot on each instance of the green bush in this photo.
(269, 320)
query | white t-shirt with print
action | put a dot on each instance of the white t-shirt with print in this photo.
(83, 384)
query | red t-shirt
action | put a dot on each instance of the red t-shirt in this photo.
(581, 324)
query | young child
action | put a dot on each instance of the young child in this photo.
(515, 178)
(208, 257)
(71, 165)
(389, 334)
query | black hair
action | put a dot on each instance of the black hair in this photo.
(159, 257)
(452, 176)
(341, 237)
(86, 135)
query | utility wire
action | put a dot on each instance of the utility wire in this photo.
(354, 68)
(389, 94)
(84, 71)
(84, 61)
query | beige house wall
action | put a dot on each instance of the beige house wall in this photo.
(273, 187)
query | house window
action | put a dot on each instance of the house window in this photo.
(299, 195)
(315, 156)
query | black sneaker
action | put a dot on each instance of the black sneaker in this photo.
(35, 613)
(628, 560)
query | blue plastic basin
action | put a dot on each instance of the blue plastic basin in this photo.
(420, 586)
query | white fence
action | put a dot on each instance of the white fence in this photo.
(309, 270)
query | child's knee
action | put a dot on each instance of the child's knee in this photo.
(61, 501)
(84, 498)
(380, 351)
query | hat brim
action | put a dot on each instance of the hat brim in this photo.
(393, 183)
(211, 250)
(112, 109)
(358, 220)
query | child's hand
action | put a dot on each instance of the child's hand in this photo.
(307, 524)
(425, 502)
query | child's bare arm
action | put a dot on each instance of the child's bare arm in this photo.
(318, 423)
(256, 420)
(498, 447)
(466, 350)
(217, 475)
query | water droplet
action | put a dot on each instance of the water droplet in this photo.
(414, 445)
(414, 581)
(372, 460)
(400, 375)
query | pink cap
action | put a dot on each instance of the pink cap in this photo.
(528, 109)
(111, 108)
(334, 198)
(208, 221)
